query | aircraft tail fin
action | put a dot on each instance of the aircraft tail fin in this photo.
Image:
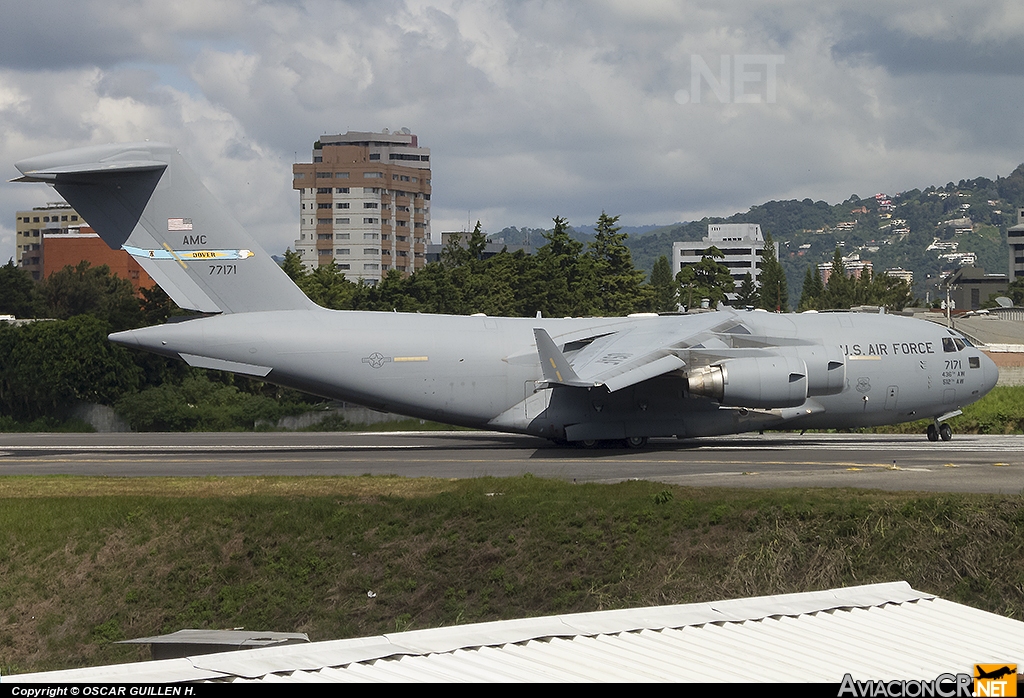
(144, 198)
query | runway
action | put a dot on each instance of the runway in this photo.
(968, 463)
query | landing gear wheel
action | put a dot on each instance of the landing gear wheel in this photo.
(587, 443)
(945, 432)
(636, 442)
(933, 433)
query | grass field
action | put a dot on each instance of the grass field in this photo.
(88, 561)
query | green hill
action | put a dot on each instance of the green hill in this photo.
(891, 230)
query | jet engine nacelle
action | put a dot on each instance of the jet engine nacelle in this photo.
(767, 382)
(826, 369)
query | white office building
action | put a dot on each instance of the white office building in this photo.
(741, 243)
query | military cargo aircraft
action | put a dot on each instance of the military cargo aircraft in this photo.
(572, 380)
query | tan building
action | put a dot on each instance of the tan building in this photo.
(51, 237)
(364, 204)
(69, 249)
(853, 264)
(52, 219)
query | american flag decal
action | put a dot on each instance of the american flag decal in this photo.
(178, 224)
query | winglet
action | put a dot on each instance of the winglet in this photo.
(557, 370)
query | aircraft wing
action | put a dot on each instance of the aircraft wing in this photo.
(631, 355)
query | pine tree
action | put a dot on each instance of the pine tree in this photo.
(773, 287)
(839, 291)
(812, 292)
(561, 279)
(292, 265)
(664, 287)
(477, 243)
(619, 284)
(747, 293)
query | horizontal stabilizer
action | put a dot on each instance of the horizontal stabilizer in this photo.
(222, 365)
(78, 171)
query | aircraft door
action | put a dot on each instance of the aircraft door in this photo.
(892, 393)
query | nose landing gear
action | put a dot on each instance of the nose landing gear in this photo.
(938, 431)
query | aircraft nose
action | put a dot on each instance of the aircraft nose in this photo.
(991, 374)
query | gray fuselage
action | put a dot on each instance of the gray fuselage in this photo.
(485, 371)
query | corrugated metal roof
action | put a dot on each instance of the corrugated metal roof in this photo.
(880, 631)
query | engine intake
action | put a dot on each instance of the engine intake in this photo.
(765, 382)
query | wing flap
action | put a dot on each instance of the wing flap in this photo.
(558, 371)
(648, 367)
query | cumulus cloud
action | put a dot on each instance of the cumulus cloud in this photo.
(532, 108)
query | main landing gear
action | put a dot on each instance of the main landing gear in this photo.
(938, 431)
(634, 442)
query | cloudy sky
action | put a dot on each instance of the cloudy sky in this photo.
(653, 110)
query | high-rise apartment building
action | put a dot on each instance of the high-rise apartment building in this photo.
(1015, 238)
(364, 203)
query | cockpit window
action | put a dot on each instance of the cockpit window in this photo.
(960, 346)
(974, 361)
(947, 344)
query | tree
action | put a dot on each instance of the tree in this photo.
(327, 286)
(17, 291)
(435, 292)
(619, 284)
(561, 279)
(707, 278)
(1015, 291)
(88, 290)
(477, 243)
(156, 306)
(292, 265)
(747, 294)
(839, 291)
(813, 290)
(665, 290)
(48, 365)
(773, 287)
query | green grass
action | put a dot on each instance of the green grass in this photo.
(87, 561)
(45, 425)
